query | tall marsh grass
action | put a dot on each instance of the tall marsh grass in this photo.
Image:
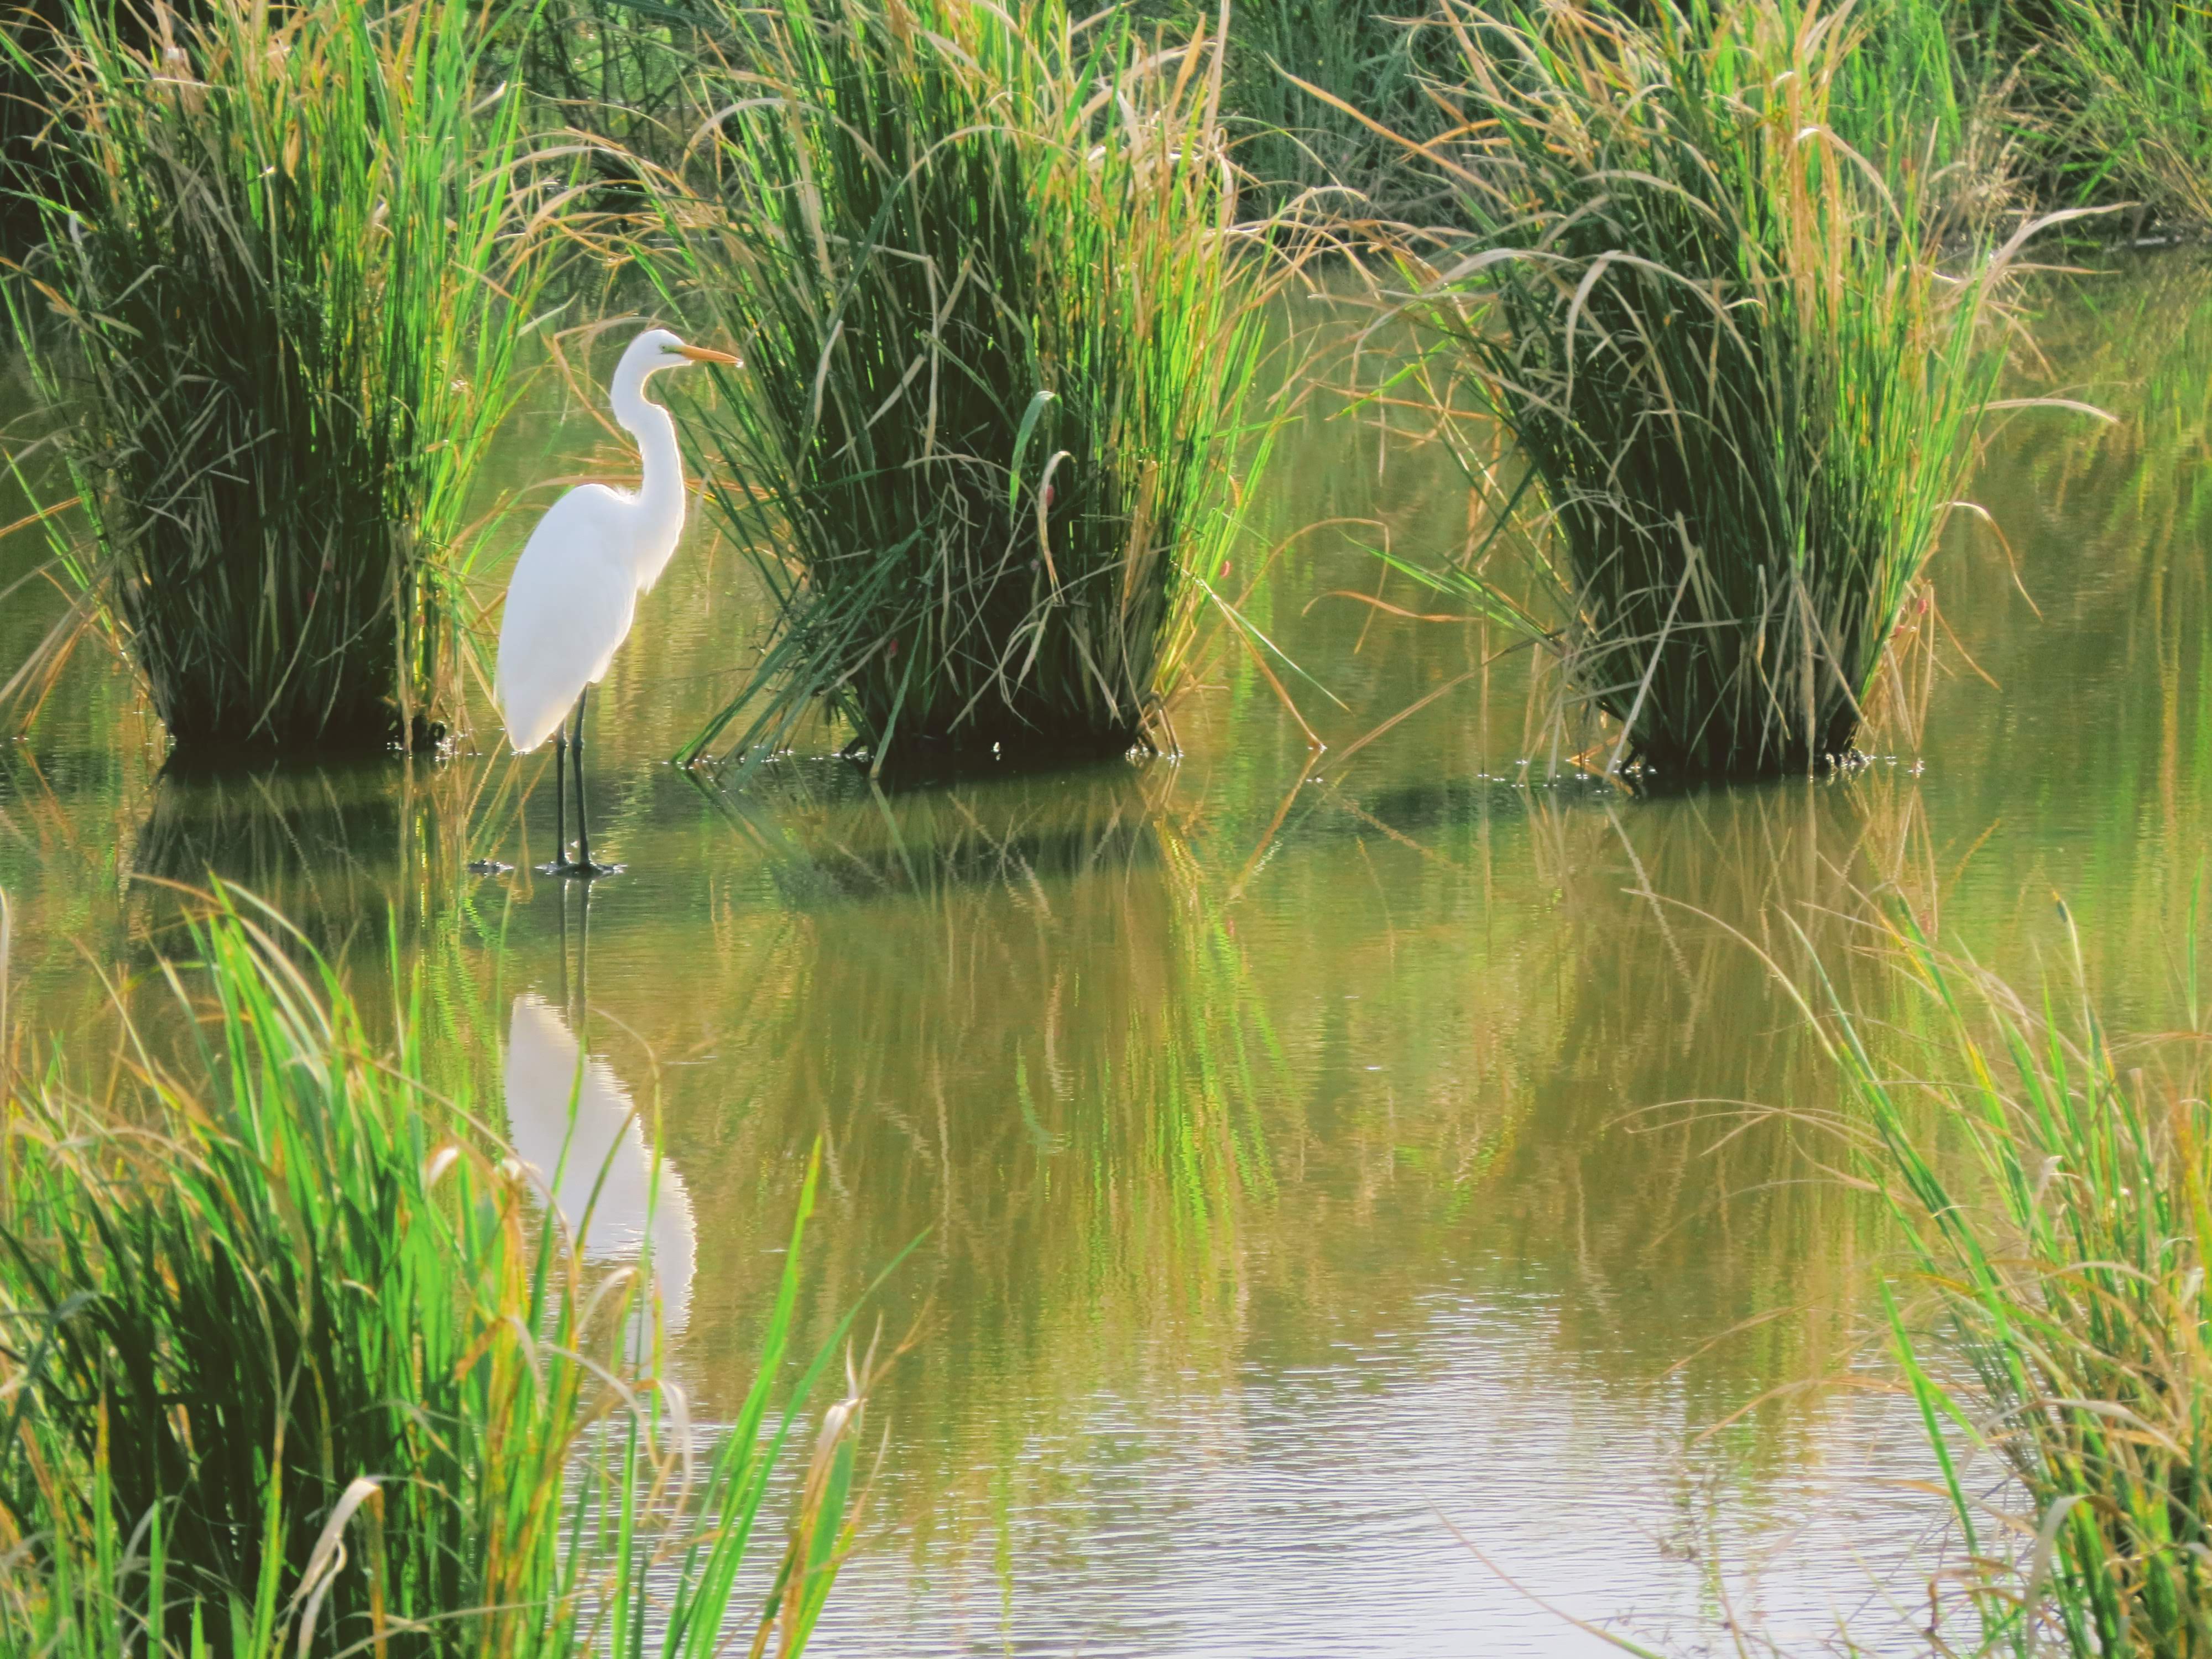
(1001, 348)
(294, 1360)
(2123, 96)
(288, 264)
(2052, 1187)
(1294, 65)
(1741, 383)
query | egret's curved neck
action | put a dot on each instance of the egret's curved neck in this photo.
(660, 487)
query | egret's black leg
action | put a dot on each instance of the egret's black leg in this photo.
(560, 864)
(584, 865)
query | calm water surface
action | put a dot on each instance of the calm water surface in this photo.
(1301, 1150)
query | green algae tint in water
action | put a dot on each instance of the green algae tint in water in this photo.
(1296, 1149)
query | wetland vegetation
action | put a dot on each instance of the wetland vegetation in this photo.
(1002, 349)
(1426, 919)
(1724, 347)
(294, 1366)
(286, 266)
(2066, 1253)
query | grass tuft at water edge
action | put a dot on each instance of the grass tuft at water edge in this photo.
(1001, 344)
(1741, 372)
(289, 259)
(295, 1361)
(2052, 1185)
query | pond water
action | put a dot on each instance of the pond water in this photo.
(1341, 1224)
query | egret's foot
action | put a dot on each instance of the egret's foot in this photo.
(578, 870)
(490, 867)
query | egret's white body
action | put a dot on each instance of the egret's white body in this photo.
(573, 593)
(569, 1113)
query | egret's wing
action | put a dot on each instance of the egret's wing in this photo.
(569, 605)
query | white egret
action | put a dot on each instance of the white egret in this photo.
(574, 590)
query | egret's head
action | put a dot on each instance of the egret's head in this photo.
(657, 348)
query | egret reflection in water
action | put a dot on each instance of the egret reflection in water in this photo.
(574, 1123)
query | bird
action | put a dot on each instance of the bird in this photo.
(574, 592)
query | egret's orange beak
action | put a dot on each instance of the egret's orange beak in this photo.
(701, 354)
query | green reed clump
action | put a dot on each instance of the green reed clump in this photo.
(285, 270)
(2055, 1197)
(1383, 59)
(293, 1362)
(999, 350)
(1740, 390)
(617, 69)
(2122, 96)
